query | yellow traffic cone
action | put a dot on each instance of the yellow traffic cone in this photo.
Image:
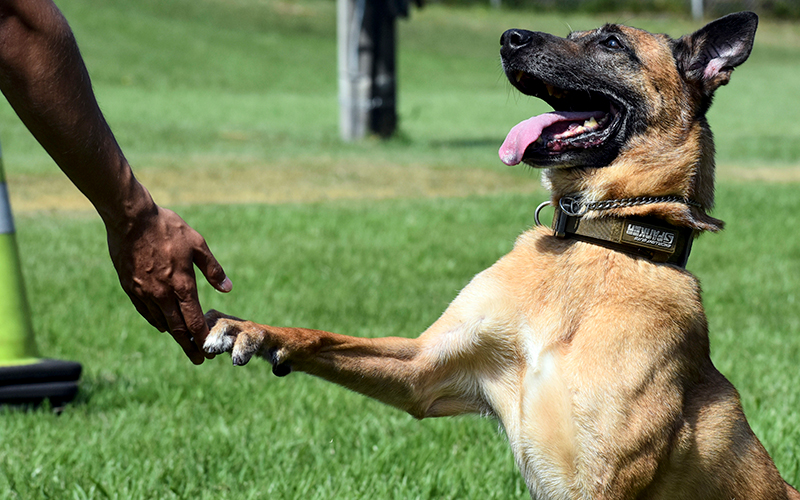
(24, 377)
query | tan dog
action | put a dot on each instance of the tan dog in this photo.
(590, 346)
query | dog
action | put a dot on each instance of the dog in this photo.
(588, 341)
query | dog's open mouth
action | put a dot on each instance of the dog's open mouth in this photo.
(581, 119)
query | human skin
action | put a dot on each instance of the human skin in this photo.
(154, 251)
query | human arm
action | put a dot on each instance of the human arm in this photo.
(45, 80)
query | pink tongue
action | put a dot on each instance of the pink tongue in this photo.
(527, 132)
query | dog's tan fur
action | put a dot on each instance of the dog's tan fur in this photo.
(596, 362)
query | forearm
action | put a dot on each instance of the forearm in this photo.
(45, 80)
(154, 251)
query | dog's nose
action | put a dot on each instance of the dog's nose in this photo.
(516, 39)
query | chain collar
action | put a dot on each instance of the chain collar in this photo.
(574, 205)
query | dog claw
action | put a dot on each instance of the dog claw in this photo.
(241, 353)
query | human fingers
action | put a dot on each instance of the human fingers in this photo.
(211, 268)
(194, 320)
(177, 327)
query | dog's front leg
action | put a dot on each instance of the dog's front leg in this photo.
(404, 373)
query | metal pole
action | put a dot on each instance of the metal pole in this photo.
(366, 35)
(344, 12)
(697, 9)
(353, 68)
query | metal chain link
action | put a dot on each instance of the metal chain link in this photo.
(643, 200)
(574, 206)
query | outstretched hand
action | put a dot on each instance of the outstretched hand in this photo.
(44, 79)
(155, 257)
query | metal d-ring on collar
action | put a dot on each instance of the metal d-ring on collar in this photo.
(538, 211)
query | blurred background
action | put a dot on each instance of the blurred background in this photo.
(230, 113)
(703, 8)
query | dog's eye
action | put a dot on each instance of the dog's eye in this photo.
(612, 42)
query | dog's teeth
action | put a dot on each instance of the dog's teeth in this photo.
(590, 123)
(519, 76)
(555, 92)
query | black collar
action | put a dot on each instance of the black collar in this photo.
(647, 237)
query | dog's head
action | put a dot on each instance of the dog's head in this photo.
(629, 108)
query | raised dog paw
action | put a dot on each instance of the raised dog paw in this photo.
(243, 339)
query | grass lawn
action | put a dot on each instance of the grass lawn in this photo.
(227, 109)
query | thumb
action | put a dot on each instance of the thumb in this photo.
(212, 269)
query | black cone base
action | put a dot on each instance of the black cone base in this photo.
(31, 384)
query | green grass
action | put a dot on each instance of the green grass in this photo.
(254, 82)
(257, 79)
(147, 424)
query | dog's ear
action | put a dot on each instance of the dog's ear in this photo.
(708, 56)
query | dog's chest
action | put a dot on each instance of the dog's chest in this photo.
(538, 419)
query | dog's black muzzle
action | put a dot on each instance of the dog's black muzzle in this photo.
(514, 41)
